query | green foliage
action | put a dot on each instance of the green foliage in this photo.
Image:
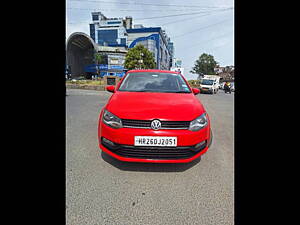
(135, 55)
(204, 65)
(86, 82)
(100, 58)
(194, 83)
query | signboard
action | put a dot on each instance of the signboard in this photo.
(178, 63)
(116, 67)
(92, 68)
(103, 66)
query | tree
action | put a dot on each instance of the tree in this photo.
(139, 57)
(204, 65)
(99, 59)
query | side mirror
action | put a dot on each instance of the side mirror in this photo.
(195, 91)
(110, 88)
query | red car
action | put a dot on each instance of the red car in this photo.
(154, 116)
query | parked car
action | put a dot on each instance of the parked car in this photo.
(222, 85)
(232, 86)
(154, 116)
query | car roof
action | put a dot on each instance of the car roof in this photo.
(152, 70)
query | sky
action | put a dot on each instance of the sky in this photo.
(194, 26)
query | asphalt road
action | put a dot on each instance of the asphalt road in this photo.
(101, 190)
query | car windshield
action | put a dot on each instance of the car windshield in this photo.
(154, 82)
(207, 82)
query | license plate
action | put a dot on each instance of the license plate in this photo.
(155, 141)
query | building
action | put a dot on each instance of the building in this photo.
(226, 73)
(177, 65)
(119, 32)
(81, 49)
(113, 64)
(112, 37)
(109, 31)
(172, 52)
(155, 40)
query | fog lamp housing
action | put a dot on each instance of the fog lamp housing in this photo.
(109, 144)
(106, 141)
(200, 146)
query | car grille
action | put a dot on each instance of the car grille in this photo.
(148, 152)
(164, 124)
(155, 152)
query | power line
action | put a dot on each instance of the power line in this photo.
(157, 17)
(202, 42)
(131, 10)
(172, 16)
(185, 19)
(176, 21)
(219, 46)
(193, 31)
(148, 4)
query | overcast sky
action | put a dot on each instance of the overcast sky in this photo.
(207, 26)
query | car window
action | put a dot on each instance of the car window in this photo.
(154, 82)
(207, 82)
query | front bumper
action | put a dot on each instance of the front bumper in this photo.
(125, 150)
(206, 90)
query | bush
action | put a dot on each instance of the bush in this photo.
(86, 82)
(194, 83)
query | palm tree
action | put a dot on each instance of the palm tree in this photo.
(99, 59)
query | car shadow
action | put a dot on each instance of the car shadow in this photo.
(149, 167)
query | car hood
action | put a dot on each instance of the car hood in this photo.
(149, 106)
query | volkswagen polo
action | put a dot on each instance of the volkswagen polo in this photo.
(154, 116)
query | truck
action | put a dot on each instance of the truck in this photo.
(210, 84)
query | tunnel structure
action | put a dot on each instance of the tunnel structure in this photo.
(80, 50)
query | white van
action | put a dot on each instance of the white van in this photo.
(210, 84)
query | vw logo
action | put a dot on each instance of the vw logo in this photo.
(155, 124)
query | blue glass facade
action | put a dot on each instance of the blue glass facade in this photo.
(107, 36)
(114, 22)
(95, 17)
(123, 41)
(92, 31)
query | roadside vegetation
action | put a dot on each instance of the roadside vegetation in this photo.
(204, 65)
(139, 57)
(194, 83)
(86, 82)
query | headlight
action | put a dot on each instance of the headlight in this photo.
(111, 120)
(199, 123)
